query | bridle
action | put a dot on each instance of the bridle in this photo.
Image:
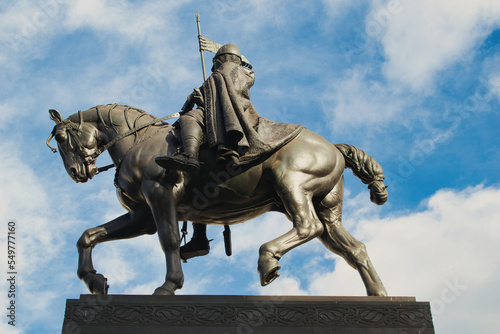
(73, 129)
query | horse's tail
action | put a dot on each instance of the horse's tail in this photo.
(367, 170)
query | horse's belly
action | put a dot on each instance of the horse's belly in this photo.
(227, 207)
(223, 197)
(226, 213)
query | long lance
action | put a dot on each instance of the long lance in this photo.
(201, 50)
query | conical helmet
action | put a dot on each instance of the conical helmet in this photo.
(230, 48)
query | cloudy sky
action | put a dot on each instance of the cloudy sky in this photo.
(416, 84)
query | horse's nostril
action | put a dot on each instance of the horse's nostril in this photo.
(72, 172)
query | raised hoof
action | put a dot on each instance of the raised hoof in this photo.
(97, 283)
(268, 271)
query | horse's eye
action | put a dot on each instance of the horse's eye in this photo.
(92, 142)
(60, 137)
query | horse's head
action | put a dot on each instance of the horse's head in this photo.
(77, 143)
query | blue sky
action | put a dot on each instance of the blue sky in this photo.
(416, 84)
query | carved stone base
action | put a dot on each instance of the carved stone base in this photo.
(125, 314)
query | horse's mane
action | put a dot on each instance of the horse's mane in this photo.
(111, 114)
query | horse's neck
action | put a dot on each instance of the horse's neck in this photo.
(116, 117)
(112, 121)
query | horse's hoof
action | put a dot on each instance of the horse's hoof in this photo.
(163, 291)
(268, 271)
(379, 292)
(97, 283)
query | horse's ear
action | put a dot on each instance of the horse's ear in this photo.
(55, 116)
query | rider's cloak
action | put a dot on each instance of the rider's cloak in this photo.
(231, 121)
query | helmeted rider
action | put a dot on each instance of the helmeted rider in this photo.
(222, 98)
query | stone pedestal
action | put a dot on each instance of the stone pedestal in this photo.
(124, 314)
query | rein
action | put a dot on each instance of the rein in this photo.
(123, 135)
(130, 132)
(90, 158)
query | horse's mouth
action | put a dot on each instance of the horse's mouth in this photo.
(82, 178)
(82, 175)
(91, 170)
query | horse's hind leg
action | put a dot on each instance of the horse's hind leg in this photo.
(338, 240)
(126, 226)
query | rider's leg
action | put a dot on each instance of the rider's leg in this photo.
(191, 135)
(199, 243)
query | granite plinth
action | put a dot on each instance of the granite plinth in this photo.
(208, 314)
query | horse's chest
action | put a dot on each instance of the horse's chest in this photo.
(127, 190)
(125, 200)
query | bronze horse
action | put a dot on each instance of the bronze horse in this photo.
(303, 180)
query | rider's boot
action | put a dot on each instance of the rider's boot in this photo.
(198, 245)
(191, 135)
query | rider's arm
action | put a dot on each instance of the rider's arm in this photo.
(196, 97)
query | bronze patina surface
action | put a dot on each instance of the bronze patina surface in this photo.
(303, 179)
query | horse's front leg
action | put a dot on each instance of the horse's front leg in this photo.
(129, 225)
(162, 201)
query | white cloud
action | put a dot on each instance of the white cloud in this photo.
(24, 200)
(133, 266)
(251, 16)
(26, 28)
(125, 19)
(20, 191)
(490, 85)
(28, 19)
(39, 237)
(152, 27)
(6, 115)
(115, 264)
(6, 328)
(445, 254)
(336, 8)
(495, 84)
(355, 101)
(421, 38)
(199, 284)
(288, 285)
(143, 289)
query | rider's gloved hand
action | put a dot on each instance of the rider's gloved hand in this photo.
(194, 98)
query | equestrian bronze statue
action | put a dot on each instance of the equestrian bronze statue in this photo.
(221, 163)
(300, 176)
